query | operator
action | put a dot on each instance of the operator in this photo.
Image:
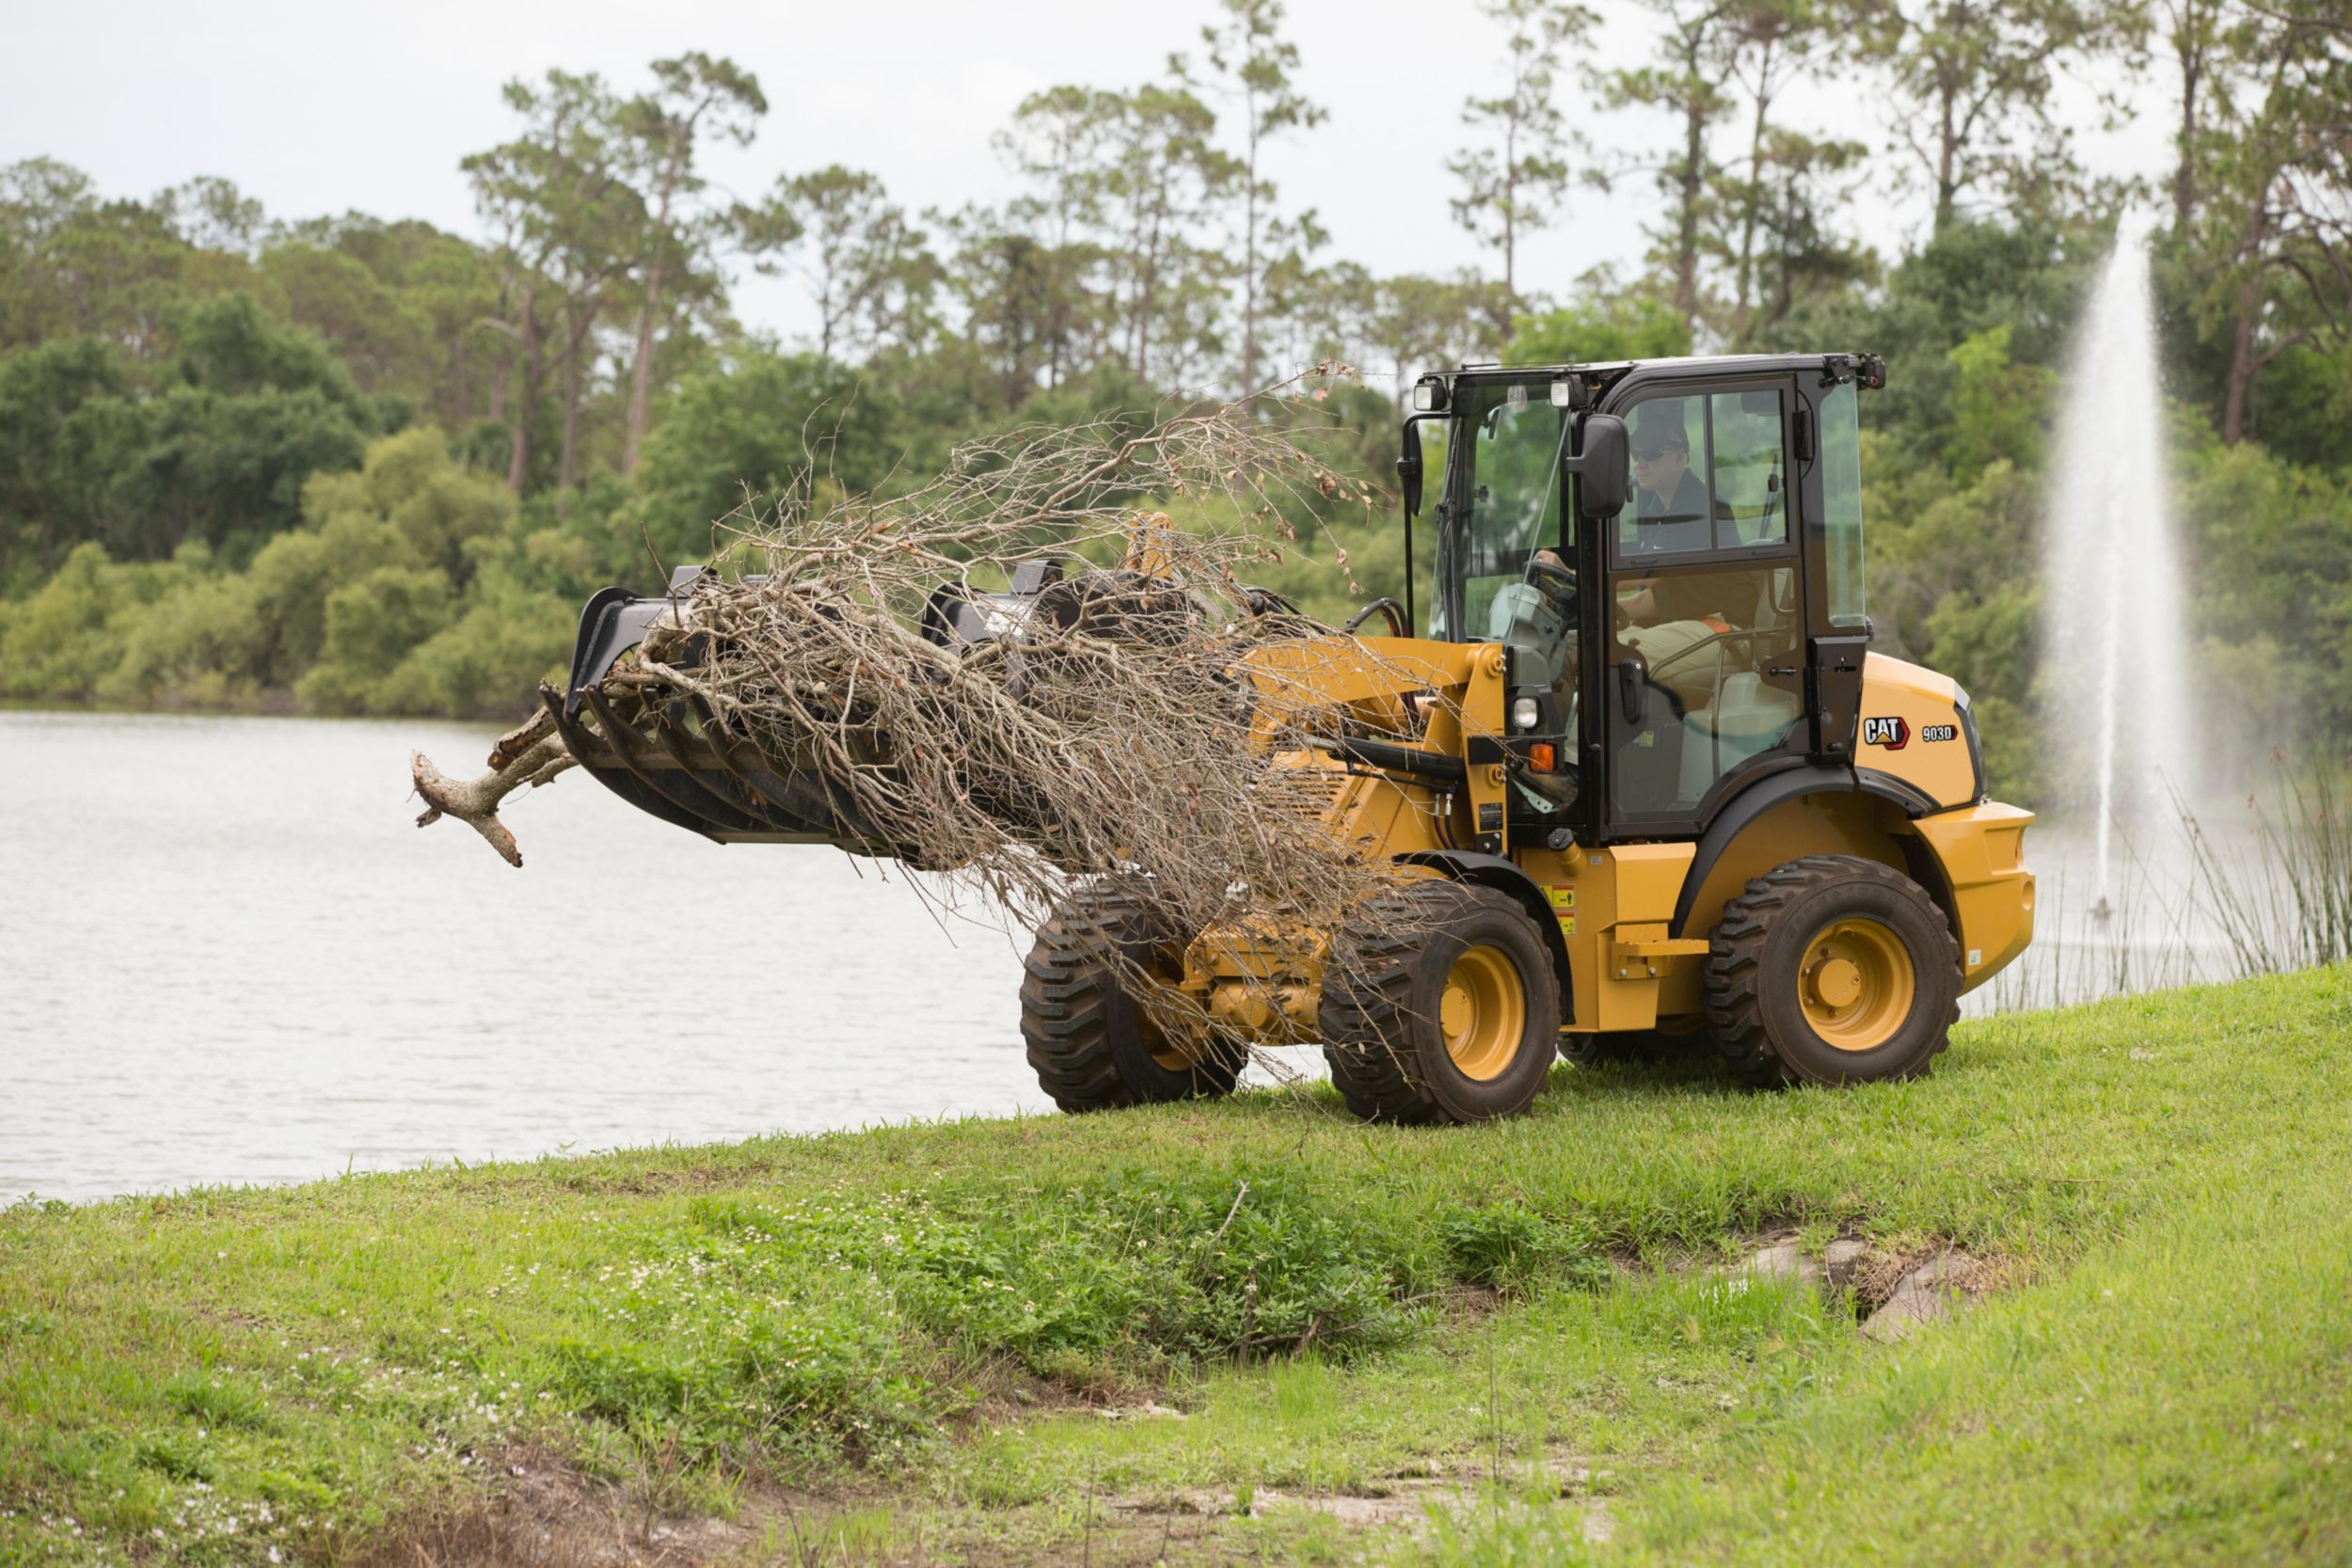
(1674, 512)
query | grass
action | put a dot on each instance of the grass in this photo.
(1319, 1338)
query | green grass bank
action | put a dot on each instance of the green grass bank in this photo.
(1256, 1331)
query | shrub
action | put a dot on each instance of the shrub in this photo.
(1508, 1247)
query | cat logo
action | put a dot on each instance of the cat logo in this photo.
(1893, 733)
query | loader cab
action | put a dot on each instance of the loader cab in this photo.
(1706, 623)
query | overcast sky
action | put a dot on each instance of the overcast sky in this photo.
(319, 109)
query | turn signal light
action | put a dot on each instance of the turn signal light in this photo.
(1542, 756)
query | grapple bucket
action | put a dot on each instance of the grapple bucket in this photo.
(673, 759)
(669, 754)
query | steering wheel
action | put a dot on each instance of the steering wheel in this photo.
(1556, 578)
(1736, 634)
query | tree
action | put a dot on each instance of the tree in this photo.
(569, 220)
(1058, 140)
(1256, 64)
(1768, 45)
(1688, 84)
(1162, 180)
(1970, 75)
(211, 213)
(2273, 237)
(2193, 30)
(69, 262)
(1022, 298)
(695, 96)
(1289, 298)
(760, 427)
(1619, 328)
(1520, 185)
(868, 270)
(1419, 323)
(247, 410)
(400, 303)
(1787, 246)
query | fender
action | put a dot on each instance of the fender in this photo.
(1504, 876)
(1766, 793)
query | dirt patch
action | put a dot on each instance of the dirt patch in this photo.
(1879, 1272)
(1005, 1394)
(542, 1514)
(1399, 1500)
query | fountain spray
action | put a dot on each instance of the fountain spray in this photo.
(2112, 594)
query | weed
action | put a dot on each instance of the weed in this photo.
(217, 1400)
(1505, 1246)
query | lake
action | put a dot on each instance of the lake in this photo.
(230, 956)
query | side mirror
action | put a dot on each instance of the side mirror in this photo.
(1408, 469)
(1601, 466)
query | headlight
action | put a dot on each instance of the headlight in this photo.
(1524, 713)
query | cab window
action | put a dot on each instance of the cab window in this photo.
(1841, 507)
(1510, 496)
(1707, 622)
(1709, 475)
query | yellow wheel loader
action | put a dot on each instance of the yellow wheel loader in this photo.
(1652, 788)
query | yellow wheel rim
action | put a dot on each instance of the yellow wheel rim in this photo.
(1166, 1052)
(1856, 984)
(1483, 1013)
(1173, 1055)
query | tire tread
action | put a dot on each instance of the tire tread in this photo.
(1735, 963)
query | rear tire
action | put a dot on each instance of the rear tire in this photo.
(1832, 970)
(1092, 1047)
(1440, 1003)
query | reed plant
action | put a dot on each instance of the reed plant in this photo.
(2289, 905)
(2223, 901)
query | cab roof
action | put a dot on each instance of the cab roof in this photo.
(1593, 377)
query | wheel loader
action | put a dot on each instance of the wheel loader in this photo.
(1625, 737)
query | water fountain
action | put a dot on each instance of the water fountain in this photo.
(2119, 698)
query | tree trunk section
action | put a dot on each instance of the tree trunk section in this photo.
(1947, 152)
(518, 457)
(641, 380)
(567, 455)
(2243, 361)
(2185, 175)
(1687, 227)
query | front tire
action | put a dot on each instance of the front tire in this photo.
(1440, 1005)
(1832, 970)
(1092, 1047)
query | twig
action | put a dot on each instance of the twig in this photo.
(1230, 1213)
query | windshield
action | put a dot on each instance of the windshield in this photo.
(1505, 498)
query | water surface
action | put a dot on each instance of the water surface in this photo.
(228, 955)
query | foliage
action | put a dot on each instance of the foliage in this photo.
(177, 372)
(406, 588)
(1630, 328)
(1520, 188)
(760, 425)
(1510, 1247)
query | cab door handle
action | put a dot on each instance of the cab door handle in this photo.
(1632, 680)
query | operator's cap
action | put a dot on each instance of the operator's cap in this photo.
(1659, 425)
